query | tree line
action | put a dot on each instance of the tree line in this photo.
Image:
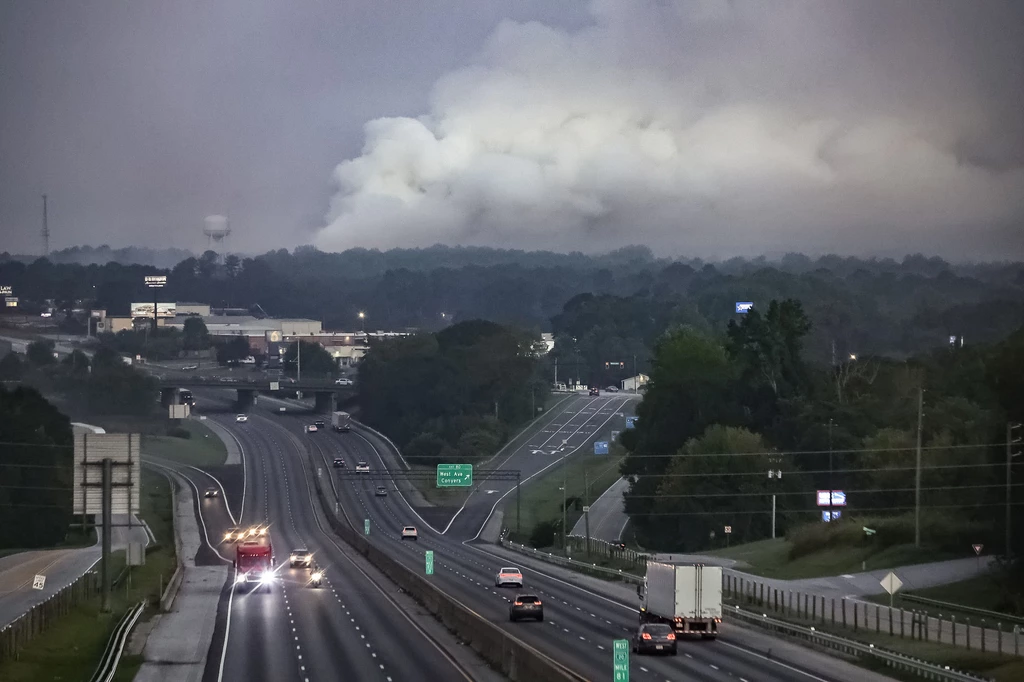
(733, 418)
(453, 395)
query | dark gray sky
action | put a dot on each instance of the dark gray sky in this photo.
(708, 127)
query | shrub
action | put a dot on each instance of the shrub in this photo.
(178, 432)
(543, 534)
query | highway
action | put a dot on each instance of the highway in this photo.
(349, 629)
(580, 624)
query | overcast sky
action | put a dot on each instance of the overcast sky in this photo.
(708, 128)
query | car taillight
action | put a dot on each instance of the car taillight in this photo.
(671, 636)
(518, 603)
(646, 635)
(537, 603)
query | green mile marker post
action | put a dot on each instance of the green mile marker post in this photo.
(430, 562)
(366, 526)
(620, 660)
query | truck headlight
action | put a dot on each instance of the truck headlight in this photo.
(268, 576)
(240, 578)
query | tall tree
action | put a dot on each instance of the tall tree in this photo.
(196, 336)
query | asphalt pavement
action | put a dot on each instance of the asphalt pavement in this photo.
(580, 623)
(352, 627)
(608, 517)
(60, 567)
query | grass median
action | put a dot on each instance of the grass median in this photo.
(72, 647)
(200, 448)
(771, 559)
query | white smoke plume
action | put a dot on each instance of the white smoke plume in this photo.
(711, 128)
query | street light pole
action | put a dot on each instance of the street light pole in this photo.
(917, 472)
(831, 492)
(1010, 454)
(636, 377)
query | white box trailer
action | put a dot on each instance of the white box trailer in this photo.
(341, 422)
(687, 597)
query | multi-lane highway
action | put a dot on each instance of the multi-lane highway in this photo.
(580, 624)
(352, 628)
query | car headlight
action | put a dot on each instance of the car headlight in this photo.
(318, 576)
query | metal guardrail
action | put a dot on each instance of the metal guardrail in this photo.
(107, 668)
(563, 561)
(1004, 617)
(892, 659)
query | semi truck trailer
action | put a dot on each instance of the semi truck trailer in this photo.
(341, 422)
(686, 597)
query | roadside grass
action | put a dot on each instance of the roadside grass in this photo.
(75, 538)
(999, 667)
(542, 496)
(981, 592)
(202, 449)
(71, 648)
(771, 559)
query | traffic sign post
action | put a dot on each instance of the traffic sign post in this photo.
(891, 584)
(430, 562)
(366, 526)
(454, 475)
(38, 582)
(620, 660)
(600, 447)
(977, 552)
(631, 422)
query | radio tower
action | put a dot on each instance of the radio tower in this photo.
(46, 231)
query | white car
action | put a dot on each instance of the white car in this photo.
(344, 381)
(241, 417)
(311, 428)
(362, 468)
(410, 533)
(509, 576)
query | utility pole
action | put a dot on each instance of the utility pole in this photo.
(46, 230)
(556, 372)
(1010, 454)
(565, 538)
(832, 493)
(917, 473)
(107, 532)
(636, 377)
(586, 504)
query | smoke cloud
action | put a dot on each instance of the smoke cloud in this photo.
(712, 128)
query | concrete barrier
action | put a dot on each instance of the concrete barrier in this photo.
(507, 654)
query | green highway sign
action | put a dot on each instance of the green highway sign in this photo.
(869, 531)
(620, 660)
(366, 526)
(430, 562)
(454, 475)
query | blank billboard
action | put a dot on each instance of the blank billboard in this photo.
(90, 451)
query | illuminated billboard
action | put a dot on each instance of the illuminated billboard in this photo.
(146, 309)
(838, 498)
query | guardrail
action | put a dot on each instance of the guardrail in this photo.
(19, 632)
(610, 550)
(581, 566)
(107, 668)
(505, 653)
(892, 659)
(960, 607)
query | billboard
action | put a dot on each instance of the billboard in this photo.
(90, 451)
(12, 302)
(838, 498)
(146, 309)
(6, 290)
(744, 307)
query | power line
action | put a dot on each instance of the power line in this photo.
(798, 472)
(779, 453)
(818, 510)
(769, 493)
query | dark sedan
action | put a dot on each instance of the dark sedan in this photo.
(654, 638)
(339, 463)
(526, 606)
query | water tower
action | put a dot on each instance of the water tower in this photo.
(216, 228)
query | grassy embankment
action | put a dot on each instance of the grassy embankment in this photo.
(72, 647)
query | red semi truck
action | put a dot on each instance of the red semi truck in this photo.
(254, 564)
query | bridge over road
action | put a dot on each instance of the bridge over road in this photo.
(325, 391)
